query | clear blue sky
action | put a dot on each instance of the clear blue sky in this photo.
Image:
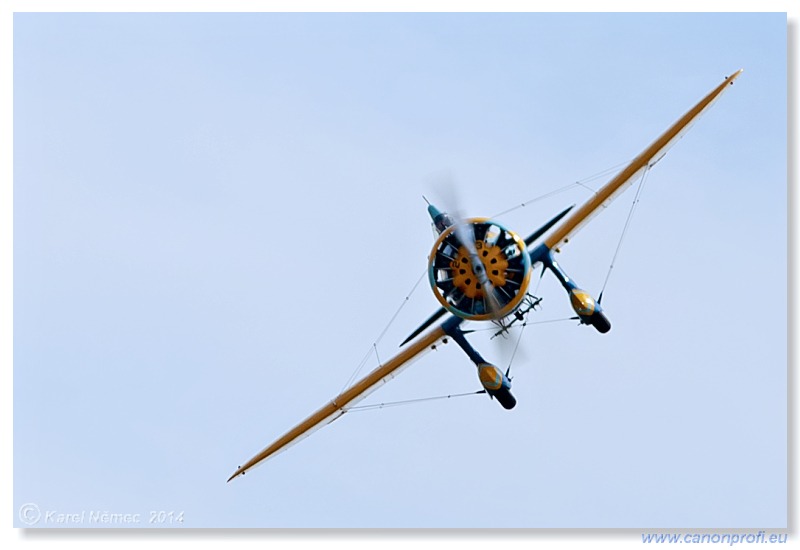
(216, 215)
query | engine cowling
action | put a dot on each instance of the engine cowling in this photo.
(504, 260)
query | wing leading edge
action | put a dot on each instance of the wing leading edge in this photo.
(340, 404)
(560, 236)
(628, 175)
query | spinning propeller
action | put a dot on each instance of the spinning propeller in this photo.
(478, 269)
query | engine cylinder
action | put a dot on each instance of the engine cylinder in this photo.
(502, 263)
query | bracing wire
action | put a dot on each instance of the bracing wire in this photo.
(539, 281)
(516, 345)
(607, 172)
(593, 191)
(579, 183)
(409, 401)
(399, 309)
(636, 199)
(536, 199)
(374, 347)
(547, 321)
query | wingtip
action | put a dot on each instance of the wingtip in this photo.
(735, 75)
(237, 473)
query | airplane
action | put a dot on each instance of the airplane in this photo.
(480, 271)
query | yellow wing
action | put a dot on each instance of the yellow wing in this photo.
(561, 235)
(340, 404)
